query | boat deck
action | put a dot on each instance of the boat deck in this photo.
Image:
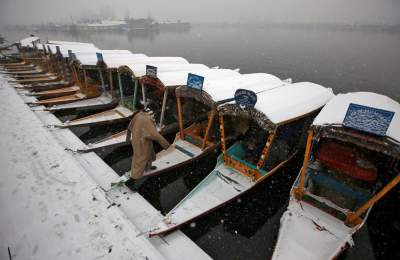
(60, 204)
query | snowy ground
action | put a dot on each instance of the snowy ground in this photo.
(54, 205)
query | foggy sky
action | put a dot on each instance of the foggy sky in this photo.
(199, 11)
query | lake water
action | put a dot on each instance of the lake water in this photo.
(345, 60)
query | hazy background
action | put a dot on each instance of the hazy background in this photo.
(205, 11)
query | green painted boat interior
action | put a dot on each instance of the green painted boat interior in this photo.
(238, 153)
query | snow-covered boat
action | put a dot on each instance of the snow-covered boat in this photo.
(160, 98)
(199, 112)
(37, 80)
(59, 92)
(50, 85)
(99, 103)
(351, 161)
(274, 132)
(34, 71)
(110, 65)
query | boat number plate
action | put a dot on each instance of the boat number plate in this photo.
(151, 71)
(245, 98)
(195, 81)
(368, 119)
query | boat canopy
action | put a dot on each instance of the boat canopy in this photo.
(335, 111)
(114, 63)
(29, 40)
(139, 69)
(179, 78)
(69, 43)
(283, 104)
(332, 116)
(74, 48)
(90, 58)
(223, 90)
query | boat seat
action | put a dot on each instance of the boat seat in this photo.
(337, 191)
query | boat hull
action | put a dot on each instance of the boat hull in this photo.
(115, 115)
(309, 233)
(60, 100)
(59, 92)
(92, 104)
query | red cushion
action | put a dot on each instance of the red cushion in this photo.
(346, 160)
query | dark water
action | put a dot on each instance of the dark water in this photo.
(345, 60)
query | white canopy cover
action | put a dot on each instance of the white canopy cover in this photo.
(114, 63)
(335, 111)
(90, 58)
(25, 42)
(139, 69)
(222, 89)
(179, 78)
(292, 101)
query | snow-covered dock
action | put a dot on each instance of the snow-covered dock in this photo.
(56, 204)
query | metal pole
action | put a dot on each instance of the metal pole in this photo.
(179, 105)
(164, 104)
(85, 81)
(120, 87)
(111, 82)
(144, 97)
(102, 81)
(135, 92)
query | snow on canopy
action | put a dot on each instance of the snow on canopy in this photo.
(335, 111)
(114, 63)
(74, 48)
(69, 43)
(220, 90)
(179, 78)
(139, 69)
(282, 104)
(29, 40)
(90, 58)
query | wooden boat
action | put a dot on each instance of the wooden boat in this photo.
(351, 162)
(125, 102)
(116, 115)
(59, 92)
(102, 102)
(35, 71)
(240, 168)
(157, 95)
(201, 136)
(50, 85)
(36, 80)
(84, 71)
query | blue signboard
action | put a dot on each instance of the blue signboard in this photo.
(151, 71)
(368, 119)
(245, 98)
(99, 56)
(195, 81)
